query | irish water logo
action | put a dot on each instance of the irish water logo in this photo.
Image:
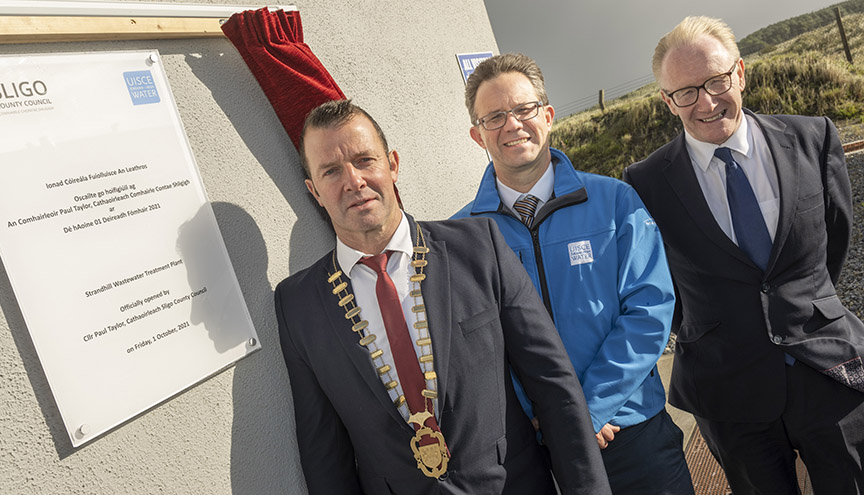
(142, 87)
(580, 253)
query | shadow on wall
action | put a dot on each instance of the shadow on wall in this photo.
(263, 411)
(264, 455)
(33, 367)
(263, 420)
(221, 69)
(199, 247)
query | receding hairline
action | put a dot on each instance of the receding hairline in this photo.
(687, 33)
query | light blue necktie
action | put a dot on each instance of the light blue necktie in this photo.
(747, 220)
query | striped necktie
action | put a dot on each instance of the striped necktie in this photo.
(525, 207)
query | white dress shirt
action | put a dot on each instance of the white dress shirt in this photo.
(750, 150)
(363, 280)
(542, 189)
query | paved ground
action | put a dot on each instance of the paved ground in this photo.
(683, 419)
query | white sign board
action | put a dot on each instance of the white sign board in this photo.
(108, 239)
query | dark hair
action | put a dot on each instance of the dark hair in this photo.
(334, 113)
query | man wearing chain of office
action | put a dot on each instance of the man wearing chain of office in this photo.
(399, 343)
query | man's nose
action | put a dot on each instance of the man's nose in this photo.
(511, 122)
(704, 100)
(353, 178)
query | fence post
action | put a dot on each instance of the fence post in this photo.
(843, 34)
(602, 101)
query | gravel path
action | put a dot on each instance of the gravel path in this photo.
(851, 283)
(850, 131)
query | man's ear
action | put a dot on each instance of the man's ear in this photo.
(393, 158)
(549, 115)
(741, 82)
(476, 136)
(314, 192)
(668, 102)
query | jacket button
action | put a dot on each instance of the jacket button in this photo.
(765, 288)
(777, 339)
(443, 476)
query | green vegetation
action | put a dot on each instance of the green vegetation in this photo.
(779, 32)
(808, 75)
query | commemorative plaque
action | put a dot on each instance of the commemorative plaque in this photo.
(108, 238)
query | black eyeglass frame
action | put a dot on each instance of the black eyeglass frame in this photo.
(727, 75)
(482, 120)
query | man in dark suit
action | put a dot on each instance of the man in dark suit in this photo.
(756, 214)
(380, 408)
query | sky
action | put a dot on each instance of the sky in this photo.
(585, 45)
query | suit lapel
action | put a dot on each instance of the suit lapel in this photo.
(436, 297)
(349, 340)
(680, 175)
(784, 153)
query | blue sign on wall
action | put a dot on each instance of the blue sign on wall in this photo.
(469, 61)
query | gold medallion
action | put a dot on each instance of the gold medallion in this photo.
(431, 458)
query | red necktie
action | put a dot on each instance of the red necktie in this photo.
(404, 356)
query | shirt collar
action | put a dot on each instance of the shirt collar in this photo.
(701, 152)
(542, 189)
(400, 242)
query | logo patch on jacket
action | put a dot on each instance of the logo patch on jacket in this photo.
(580, 252)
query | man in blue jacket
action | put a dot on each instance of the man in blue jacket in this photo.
(596, 257)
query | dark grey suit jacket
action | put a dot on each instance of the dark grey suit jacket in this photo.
(484, 316)
(736, 321)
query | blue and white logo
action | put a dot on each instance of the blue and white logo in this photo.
(580, 253)
(469, 61)
(142, 87)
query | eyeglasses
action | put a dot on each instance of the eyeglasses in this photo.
(715, 86)
(496, 120)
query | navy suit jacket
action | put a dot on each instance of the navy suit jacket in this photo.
(484, 317)
(736, 321)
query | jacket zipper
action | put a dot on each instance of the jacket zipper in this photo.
(535, 241)
(541, 272)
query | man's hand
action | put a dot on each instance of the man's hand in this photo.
(606, 435)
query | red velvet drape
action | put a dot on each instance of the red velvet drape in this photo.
(293, 79)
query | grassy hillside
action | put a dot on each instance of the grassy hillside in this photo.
(808, 75)
(786, 30)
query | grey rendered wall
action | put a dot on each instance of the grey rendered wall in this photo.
(234, 433)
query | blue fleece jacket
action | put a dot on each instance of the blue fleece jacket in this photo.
(596, 257)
